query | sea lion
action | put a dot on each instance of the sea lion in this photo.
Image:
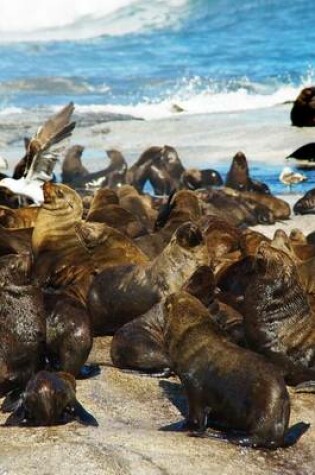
(68, 334)
(303, 110)
(280, 324)
(306, 204)
(122, 293)
(18, 218)
(114, 215)
(192, 178)
(237, 390)
(115, 173)
(238, 176)
(67, 251)
(15, 241)
(138, 205)
(72, 168)
(139, 344)
(49, 399)
(22, 323)
(304, 155)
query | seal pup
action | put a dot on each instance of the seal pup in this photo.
(279, 324)
(303, 110)
(227, 386)
(50, 399)
(122, 293)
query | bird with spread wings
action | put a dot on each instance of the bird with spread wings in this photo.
(42, 152)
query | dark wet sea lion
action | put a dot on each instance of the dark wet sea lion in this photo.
(303, 110)
(181, 206)
(306, 204)
(72, 168)
(237, 390)
(68, 333)
(122, 293)
(306, 152)
(280, 323)
(238, 176)
(115, 173)
(22, 323)
(50, 399)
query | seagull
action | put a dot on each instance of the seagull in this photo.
(289, 177)
(42, 155)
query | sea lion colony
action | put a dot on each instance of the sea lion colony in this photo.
(181, 282)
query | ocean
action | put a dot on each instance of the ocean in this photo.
(231, 68)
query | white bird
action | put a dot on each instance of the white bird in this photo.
(41, 156)
(289, 177)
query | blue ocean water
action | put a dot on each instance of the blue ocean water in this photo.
(143, 57)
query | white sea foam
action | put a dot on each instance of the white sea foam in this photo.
(38, 20)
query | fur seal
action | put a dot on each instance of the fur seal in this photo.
(18, 218)
(306, 204)
(238, 176)
(303, 110)
(192, 178)
(22, 323)
(122, 293)
(68, 334)
(139, 344)
(49, 399)
(280, 324)
(15, 241)
(67, 251)
(234, 389)
(72, 168)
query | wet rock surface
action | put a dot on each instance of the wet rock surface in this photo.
(131, 411)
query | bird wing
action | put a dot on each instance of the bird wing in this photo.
(42, 148)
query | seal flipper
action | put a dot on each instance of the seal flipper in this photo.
(294, 433)
(82, 416)
(305, 387)
(17, 417)
(89, 371)
(12, 400)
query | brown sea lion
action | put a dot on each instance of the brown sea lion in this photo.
(278, 319)
(234, 389)
(115, 173)
(114, 215)
(303, 109)
(50, 399)
(306, 204)
(18, 218)
(297, 236)
(67, 251)
(139, 344)
(122, 293)
(72, 168)
(22, 323)
(138, 205)
(297, 251)
(279, 208)
(238, 176)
